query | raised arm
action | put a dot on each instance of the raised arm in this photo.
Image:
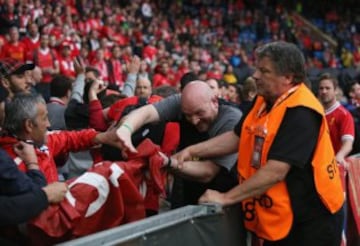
(133, 69)
(134, 121)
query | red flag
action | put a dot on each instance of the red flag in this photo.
(107, 195)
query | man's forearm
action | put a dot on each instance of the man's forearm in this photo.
(140, 117)
(129, 85)
(266, 177)
(200, 171)
(78, 88)
(224, 144)
(345, 149)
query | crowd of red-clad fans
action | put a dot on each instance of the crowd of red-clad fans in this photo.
(171, 37)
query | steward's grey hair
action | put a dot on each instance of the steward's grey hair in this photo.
(22, 107)
(286, 58)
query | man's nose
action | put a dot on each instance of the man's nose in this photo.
(194, 120)
(29, 79)
(256, 74)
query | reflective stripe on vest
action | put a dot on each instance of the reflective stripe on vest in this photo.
(270, 215)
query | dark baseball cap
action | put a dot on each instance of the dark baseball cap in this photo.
(9, 66)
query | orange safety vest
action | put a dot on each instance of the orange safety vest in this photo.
(270, 215)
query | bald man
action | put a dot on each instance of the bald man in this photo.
(143, 88)
(200, 117)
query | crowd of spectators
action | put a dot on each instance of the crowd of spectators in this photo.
(215, 38)
(107, 43)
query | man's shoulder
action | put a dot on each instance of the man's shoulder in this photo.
(172, 101)
(339, 111)
(55, 106)
(229, 110)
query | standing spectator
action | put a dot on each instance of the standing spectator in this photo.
(149, 52)
(13, 77)
(143, 88)
(114, 67)
(229, 75)
(214, 85)
(60, 92)
(249, 93)
(32, 41)
(144, 71)
(37, 76)
(14, 48)
(45, 58)
(235, 93)
(66, 64)
(161, 77)
(215, 72)
(100, 64)
(200, 117)
(340, 121)
(26, 119)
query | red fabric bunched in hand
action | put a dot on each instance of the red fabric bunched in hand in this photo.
(107, 195)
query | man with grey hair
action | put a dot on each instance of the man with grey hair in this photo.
(289, 183)
(200, 117)
(26, 120)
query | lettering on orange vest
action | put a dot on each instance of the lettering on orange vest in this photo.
(270, 215)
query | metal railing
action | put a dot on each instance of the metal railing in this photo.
(209, 225)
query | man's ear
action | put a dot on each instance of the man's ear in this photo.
(215, 101)
(289, 78)
(28, 126)
(5, 83)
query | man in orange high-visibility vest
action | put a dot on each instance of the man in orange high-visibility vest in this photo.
(289, 183)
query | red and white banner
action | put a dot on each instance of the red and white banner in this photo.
(107, 195)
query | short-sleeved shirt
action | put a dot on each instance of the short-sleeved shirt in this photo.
(186, 191)
(341, 125)
(294, 144)
(169, 110)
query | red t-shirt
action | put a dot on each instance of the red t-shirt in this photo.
(16, 51)
(67, 67)
(341, 125)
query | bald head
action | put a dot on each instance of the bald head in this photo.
(195, 93)
(37, 75)
(199, 105)
(143, 87)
